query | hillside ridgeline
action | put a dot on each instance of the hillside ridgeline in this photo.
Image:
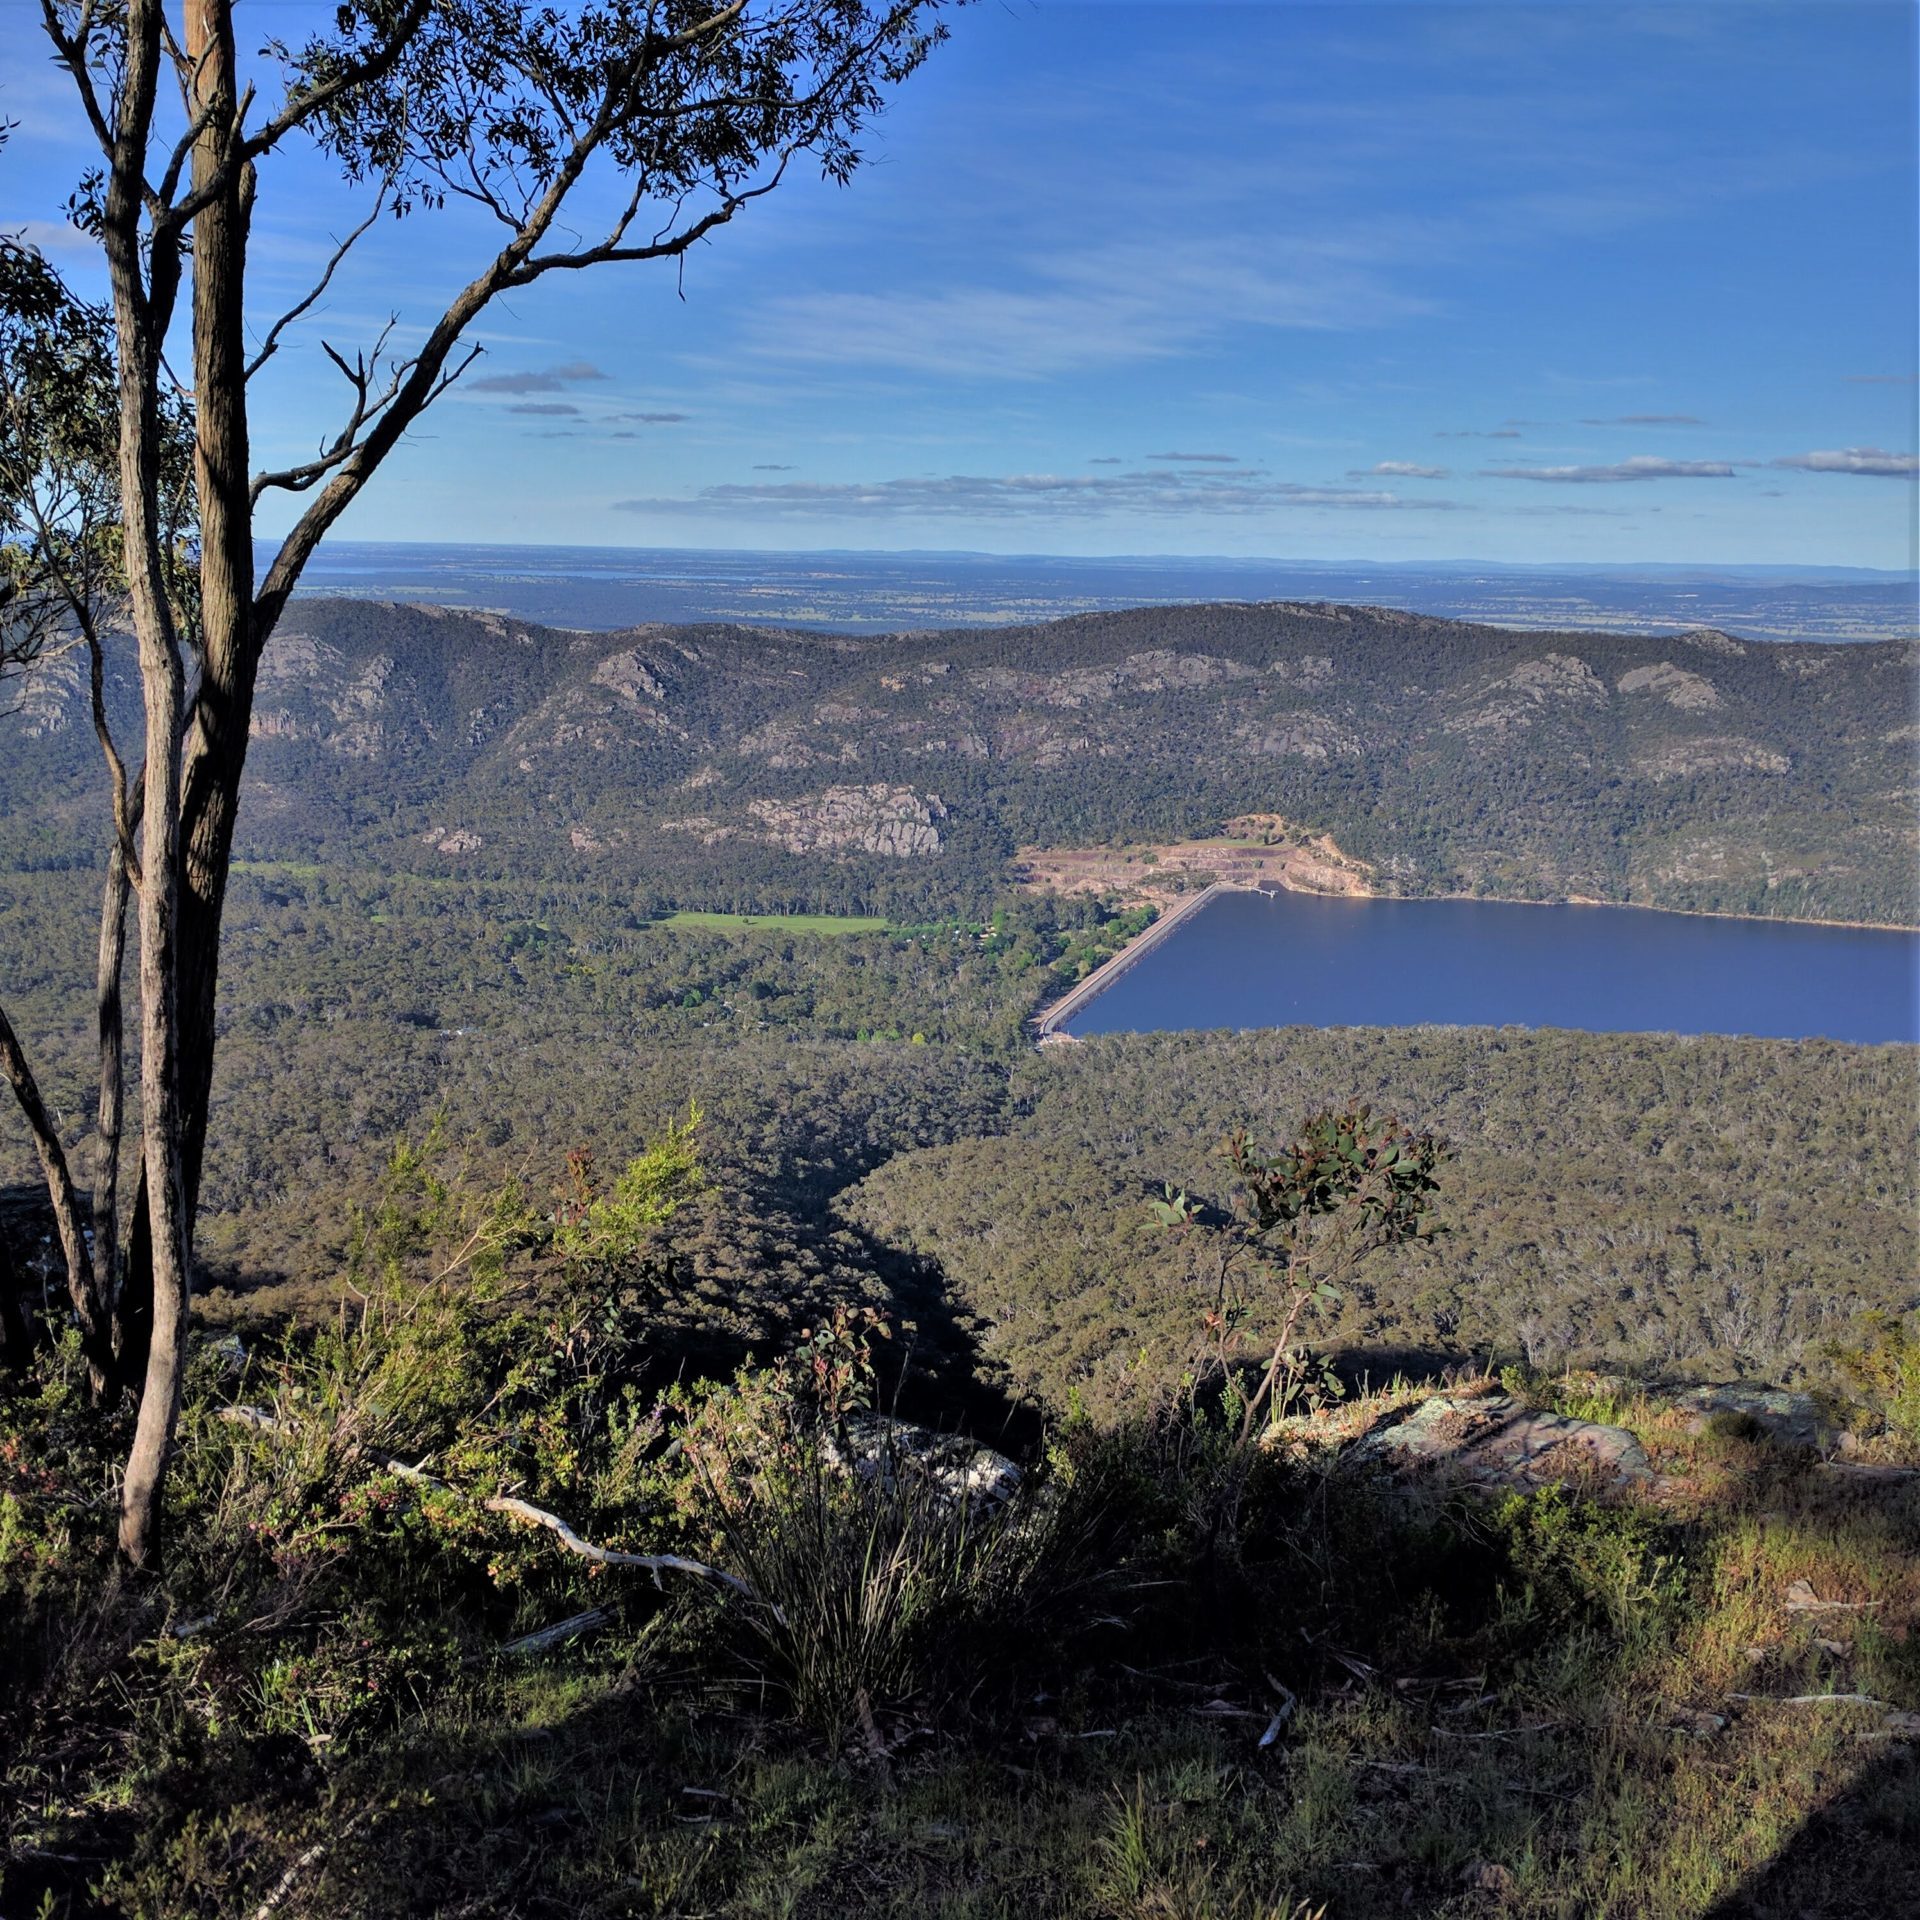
(748, 768)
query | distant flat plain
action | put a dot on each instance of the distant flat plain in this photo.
(613, 587)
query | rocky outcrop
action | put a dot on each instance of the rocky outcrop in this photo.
(1692, 692)
(959, 1468)
(1307, 736)
(1519, 698)
(1715, 754)
(894, 821)
(1493, 1440)
(1156, 671)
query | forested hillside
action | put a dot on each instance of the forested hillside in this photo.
(883, 1131)
(743, 768)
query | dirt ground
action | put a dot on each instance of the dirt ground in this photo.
(1257, 849)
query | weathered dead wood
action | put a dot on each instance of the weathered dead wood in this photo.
(524, 1511)
(557, 1635)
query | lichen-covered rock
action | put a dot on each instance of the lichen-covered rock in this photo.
(1795, 1418)
(1495, 1441)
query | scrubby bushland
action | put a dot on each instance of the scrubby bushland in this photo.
(776, 1664)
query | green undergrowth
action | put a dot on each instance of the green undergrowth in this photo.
(1169, 1675)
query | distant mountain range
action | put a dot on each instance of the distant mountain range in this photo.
(743, 766)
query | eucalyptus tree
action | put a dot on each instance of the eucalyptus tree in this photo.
(62, 589)
(668, 116)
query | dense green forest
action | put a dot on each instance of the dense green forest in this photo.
(755, 769)
(883, 1131)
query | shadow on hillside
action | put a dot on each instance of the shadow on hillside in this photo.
(1369, 1369)
(26, 1269)
(940, 1377)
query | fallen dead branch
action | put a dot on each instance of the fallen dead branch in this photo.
(1816, 1700)
(261, 1421)
(559, 1633)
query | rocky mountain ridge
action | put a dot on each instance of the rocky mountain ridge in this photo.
(1697, 770)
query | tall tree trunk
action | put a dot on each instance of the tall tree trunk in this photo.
(81, 1289)
(215, 753)
(216, 746)
(140, 320)
(110, 1121)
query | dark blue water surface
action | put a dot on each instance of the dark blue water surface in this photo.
(1289, 959)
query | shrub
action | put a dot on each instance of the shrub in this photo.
(1884, 1369)
(878, 1574)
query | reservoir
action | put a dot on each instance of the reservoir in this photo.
(1291, 959)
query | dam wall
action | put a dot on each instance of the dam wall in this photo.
(1049, 1024)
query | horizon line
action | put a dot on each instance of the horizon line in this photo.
(1778, 569)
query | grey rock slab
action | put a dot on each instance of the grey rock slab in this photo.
(962, 1469)
(1495, 1440)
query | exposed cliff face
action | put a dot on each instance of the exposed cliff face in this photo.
(894, 821)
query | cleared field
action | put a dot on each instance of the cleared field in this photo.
(824, 923)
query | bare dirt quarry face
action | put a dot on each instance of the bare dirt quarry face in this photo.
(1258, 850)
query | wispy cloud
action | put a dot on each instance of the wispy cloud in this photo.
(1476, 433)
(1199, 459)
(1648, 420)
(1874, 461)
(539, 380)
(770, 466)
(1106, 460)
(1640, 467)
(555, 408)
(1114, 305)
(1397, 470)
(650, 419)
(1027, 496)
(54, 238)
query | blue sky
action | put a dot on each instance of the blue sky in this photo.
(1526, 282)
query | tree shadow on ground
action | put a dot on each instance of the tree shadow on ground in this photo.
(1858, 1858)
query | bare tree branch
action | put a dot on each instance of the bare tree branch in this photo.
(70, 51)
(368, 408)
(271, 345)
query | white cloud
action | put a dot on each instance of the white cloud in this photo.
(1876, 461)
(54, 238)
(1641, 467)
(1027, 495)
(1105, 306)
(539, 380)
(1397, 470)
